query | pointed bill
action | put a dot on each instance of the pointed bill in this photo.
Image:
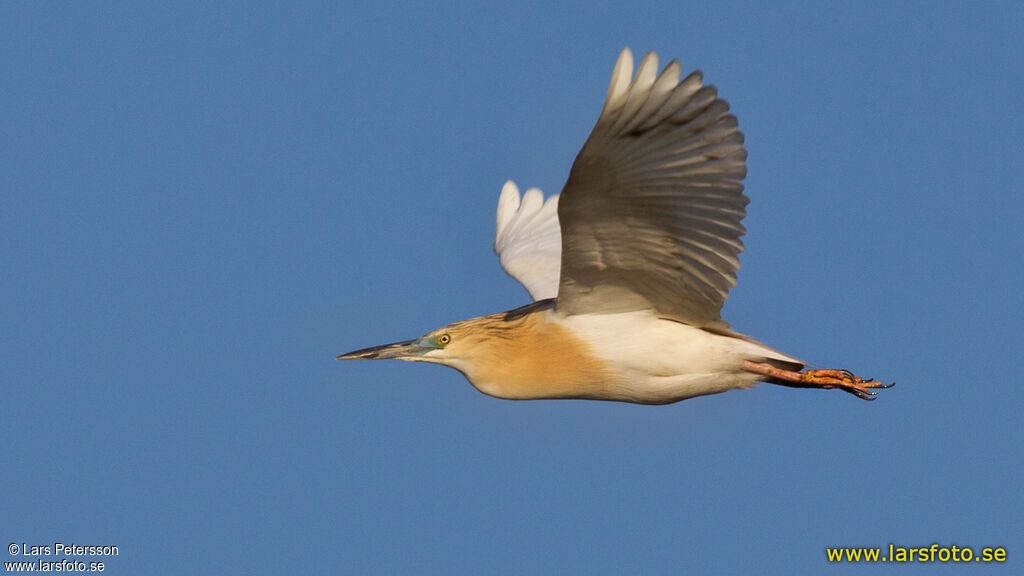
(398, 350)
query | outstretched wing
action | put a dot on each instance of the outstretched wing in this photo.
(527, 239)
(650, 215)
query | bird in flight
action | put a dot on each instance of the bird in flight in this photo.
(629, 267)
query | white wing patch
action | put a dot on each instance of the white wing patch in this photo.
(528, 240)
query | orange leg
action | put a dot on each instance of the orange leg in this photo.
(826, 379)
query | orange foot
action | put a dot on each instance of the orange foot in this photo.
(825, 379)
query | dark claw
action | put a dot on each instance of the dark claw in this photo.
(869, 396)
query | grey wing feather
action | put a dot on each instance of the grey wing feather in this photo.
(650, 216)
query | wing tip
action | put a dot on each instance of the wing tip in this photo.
(508, 205)
(622, 76)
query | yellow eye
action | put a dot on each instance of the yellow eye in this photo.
(444, 339)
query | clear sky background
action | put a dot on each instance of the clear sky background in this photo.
(201, 206)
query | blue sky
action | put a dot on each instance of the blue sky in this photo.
(202, 206)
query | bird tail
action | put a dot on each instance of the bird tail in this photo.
(759, 352)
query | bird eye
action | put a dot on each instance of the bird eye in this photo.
(444, 339)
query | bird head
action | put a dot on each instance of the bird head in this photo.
(452, 345)
(523, 353)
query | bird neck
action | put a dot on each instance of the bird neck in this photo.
(530, 353)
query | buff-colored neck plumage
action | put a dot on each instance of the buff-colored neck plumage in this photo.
(528, 355)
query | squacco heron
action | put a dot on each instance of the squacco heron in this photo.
(629, 267)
